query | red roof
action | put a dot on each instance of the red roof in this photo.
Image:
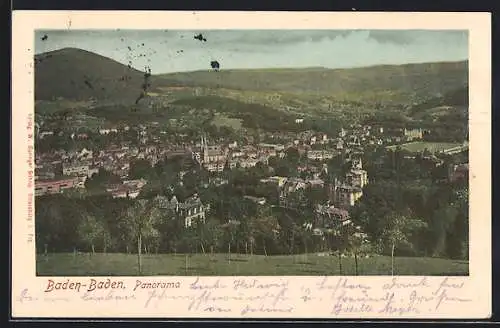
(56, 182)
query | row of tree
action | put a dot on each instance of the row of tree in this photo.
(65, 223)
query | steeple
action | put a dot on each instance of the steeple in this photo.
(357, 164)
(204, 148)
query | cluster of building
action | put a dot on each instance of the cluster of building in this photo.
(217, 157)
(342, 193)
(316, 147)
(59, 171)
(358, 135)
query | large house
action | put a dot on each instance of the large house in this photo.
(191, 211)
(44, 172)
(345, 193)
(292, 186)
(246, 162)
(128, 189)
(78, 169)
(330, 217)
(413, 134)
(357, 177)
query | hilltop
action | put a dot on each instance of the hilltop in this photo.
(77, 74)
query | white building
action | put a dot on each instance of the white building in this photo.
(319, 155)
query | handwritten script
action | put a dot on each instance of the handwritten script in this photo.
(258, 297)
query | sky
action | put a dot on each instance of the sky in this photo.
(167, 51)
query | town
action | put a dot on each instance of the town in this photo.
(291, 171)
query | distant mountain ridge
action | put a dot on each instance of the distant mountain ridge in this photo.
(430, 78)
(72, 73)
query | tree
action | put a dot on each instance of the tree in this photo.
(141, 168)
(141, 218)
(213, 234)
(443, 222)
(263, 228)
(189, 239)
(292, 155)
(316, 196)
(379, 200)
(335, 240)
(56, 224)
(283, 169)
(98, 182)
(92, 231)
(399, 228)
(307, 238)
(357, 244)
(230, 229)
(462, 226)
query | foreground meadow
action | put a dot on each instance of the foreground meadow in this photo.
(112, 264)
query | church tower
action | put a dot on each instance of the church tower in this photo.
(204, 148)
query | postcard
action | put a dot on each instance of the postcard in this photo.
(251, 165)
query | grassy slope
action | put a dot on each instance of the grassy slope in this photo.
(170, 264)
(252, 115)
(222, 104)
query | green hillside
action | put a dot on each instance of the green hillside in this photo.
(77, 74)
(457, 98)
(427, 78)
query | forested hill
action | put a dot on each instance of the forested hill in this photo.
(458, 98)
(426, 78)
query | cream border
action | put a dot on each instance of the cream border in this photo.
(477, 286)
